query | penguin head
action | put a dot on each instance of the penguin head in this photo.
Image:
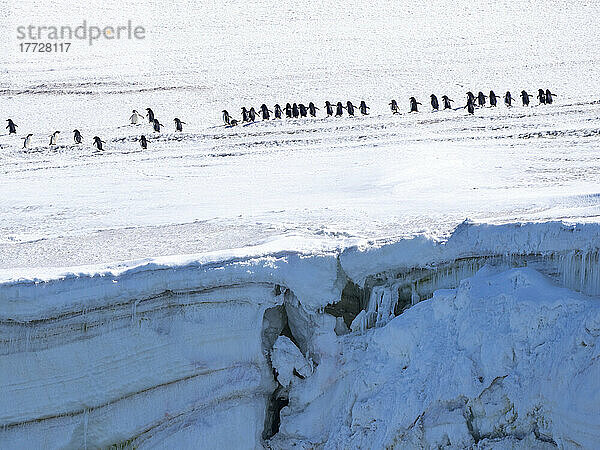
(176, 119)
(432, 95)
(75, 131)
(30, 134)
(56, 132)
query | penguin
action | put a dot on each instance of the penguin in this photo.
(303, 110)
(541, 96)
(394, 107)
(245, 117)
(413, 105)
(12, 128)
(77, 137)
(27, 141)
(278, 112)
(54, 137)
(525, 97)
(288, 111)
(143, 142)
(508, 99)
(493, 99)
(350, 108)
(252, 114)
(98, 142)
(339, 109)
(295, 111)
(265, 112)
(312, 109)
(447, 102)
(328, 108)
(234, 122)
(226, 117)
(178, 124)
(470, 97)
(470, 107)
(481, 98)
(434, 103)
(363, 108)
(135, 117)
(150, 115)
(549, 96)
(156, 125)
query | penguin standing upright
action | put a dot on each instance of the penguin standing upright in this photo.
(54, 137)
(288, 111)
(339, 109)
(493, 99)
(98, 142)
(434, 102)
(252, 114)
(350, 108)
(143, 142)
(312, 109)
(481, 98)
(394, 107)
(508, 99)
(363, 108)
(328, 108)
(295, 111)
(178, 124)
(135, 117)
(156, 125)
(525, 97)
(278, 111)
(541, 96)
(12, 128)
(77, 137)
(245, 117)
(447, 102)
(470, 97)
(150, 115)
(27, 141)
(413, 105)
(303, 110)
(226, 117)
(470, 106)
(264, 111)
(549, 96)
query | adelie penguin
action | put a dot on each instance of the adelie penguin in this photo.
(295, 111)
(12, 128)
(508, 99)
(493, 99)
(278, 112)
(339, 109)
(350, 108)
(264, 111)
(525, 97)
(156, 125)
(288, 111)
(77, 137)
(233, 122)
(27, 141)
(549, 96)
(98, 142)
(135, 117)
(312, 109)
(541, 96)
(252, 114)
(328, 108)
(470, 106)
(303, 110)
(363, 108)
(481, 98)
(434, 102)
(150, 115)
(143, 142)
(226, 117)
(54, 137)
(446, 100)
(394, 107)
(414, 105)
(245, 117)
(178, 124)
(470, 97)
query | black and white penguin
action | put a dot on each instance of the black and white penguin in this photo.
(178, 124)
(508, 99)
(541, 96)
(350, 108)
(339, 109)
(549, 96)
(264, 112)
(481, 98)
(312, 109)
(143, 142)
(414, 105)
(470, 107)
(234, 122)
(363, 108)
(12, 128)
(394, 107)
(278, 112)
(329, 108)
(470, 97)
(493, 99)
(252, 114)
(447, 102)
(525, 97)
(288, 111)
(156, 125)
(303, 110)
(135, 117)
(295, 111)
(98, 142)
(77, 137)
(27, 141)
(54, 137)
(226, 117)
(245, 117)
(434, 102)
(150, 115)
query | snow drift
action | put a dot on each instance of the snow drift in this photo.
(486, 339)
